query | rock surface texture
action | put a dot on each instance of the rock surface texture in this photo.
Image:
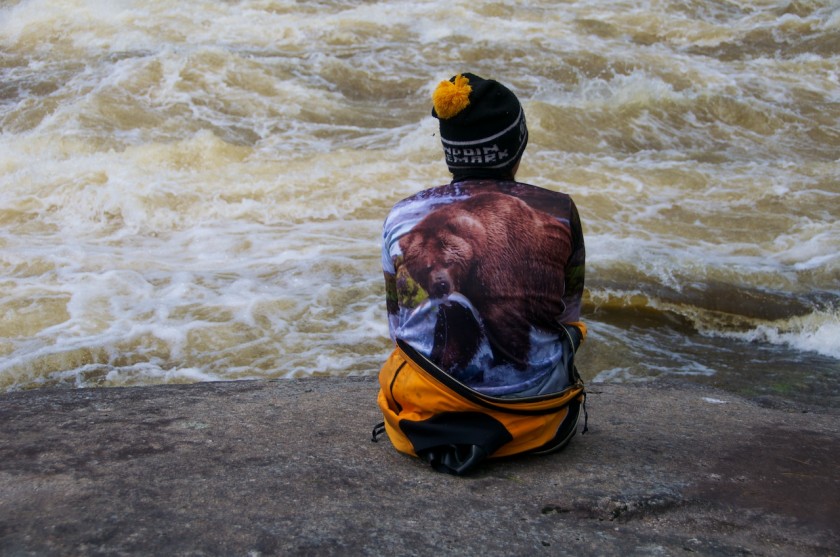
(288, 468)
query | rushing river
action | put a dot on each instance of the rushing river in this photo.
(195, 191)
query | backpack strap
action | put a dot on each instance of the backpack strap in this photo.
(378, 430)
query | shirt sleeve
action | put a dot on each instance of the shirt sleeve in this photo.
(575, 270)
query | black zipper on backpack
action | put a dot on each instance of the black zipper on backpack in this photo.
(391, 387)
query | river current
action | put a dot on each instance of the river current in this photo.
(195, 191)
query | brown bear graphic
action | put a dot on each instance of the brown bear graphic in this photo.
(457, 337)
(506, 257)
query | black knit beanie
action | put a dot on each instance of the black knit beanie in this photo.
(482, 126)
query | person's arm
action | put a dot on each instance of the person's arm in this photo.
(575, 273)
(390, 273)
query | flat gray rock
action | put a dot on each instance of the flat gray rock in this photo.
(288, 468)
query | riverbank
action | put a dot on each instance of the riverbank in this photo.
(287, 467)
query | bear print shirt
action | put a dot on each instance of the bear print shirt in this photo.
(479, 275)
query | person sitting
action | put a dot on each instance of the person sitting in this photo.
(484, 278)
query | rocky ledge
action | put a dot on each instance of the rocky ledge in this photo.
(288, 468)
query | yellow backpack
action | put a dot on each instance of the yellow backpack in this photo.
(431, 415)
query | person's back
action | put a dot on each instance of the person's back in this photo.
(480, 276)
(484, 275)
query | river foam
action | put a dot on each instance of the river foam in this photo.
(195, 192)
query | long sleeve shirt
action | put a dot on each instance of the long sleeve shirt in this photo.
(480, 275)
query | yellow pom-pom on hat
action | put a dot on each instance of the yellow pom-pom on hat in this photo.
(451, 97)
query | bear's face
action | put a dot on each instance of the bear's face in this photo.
(441, 251)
